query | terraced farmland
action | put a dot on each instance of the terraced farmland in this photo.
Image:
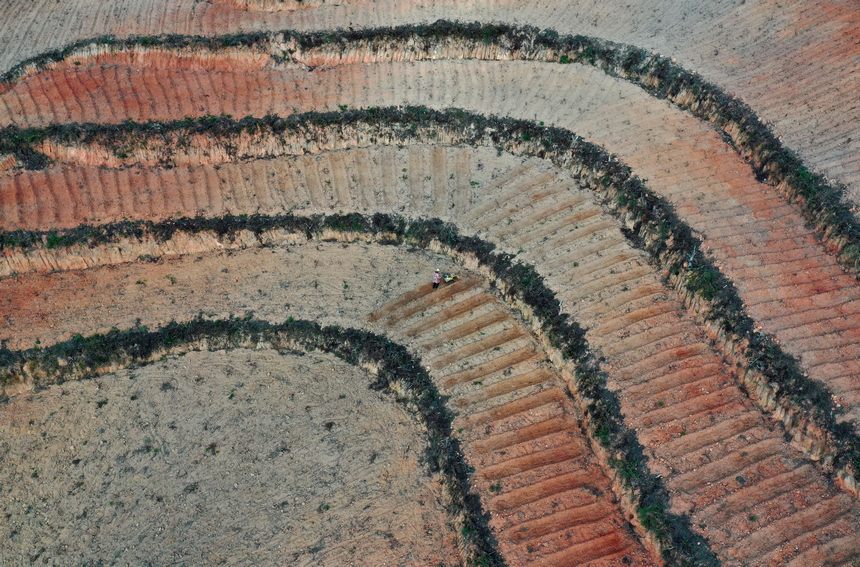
(780, 268)
(649, 355)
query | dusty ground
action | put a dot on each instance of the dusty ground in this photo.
(241, 458)
(325, 282)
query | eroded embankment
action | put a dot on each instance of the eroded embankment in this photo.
(805, 407)
(395, 371)
(821, 201)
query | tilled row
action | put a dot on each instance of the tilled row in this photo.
(550, 501)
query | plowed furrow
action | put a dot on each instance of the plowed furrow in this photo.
(624, 302)
(516, 421)
(585, 249)
(509, 500)
(623, 275)
(671, 359)
(841, 551)
(431, 321)
(727, 466)
(523, 434)
(604, 265)
(633, 317)
(690, 374)
(508, 187)
(534, 216)
(477, 347)
(438, 296)
(402, 301)
(540, 445)
(700, 384)
(606, 548)
(520, 356)
(548, 397)
(470, 327)
(747, 498)
(688, 407)
(503, 387)
(725, 444)
(700, 439)
(550, 229)
(645, 339)
(558, 521)
(779, 533)
(662, 432)
(573, 241)
(585, 258)
(527, 192)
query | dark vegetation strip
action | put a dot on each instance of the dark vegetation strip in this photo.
(673, 533)
(774, 377)
(397, 373)
(821, 201)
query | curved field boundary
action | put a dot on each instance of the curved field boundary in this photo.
(642, 491)
(821, 201)
(772, 376)
(396, 372)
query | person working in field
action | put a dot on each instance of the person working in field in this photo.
(437, 279)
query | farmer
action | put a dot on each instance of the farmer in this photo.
(437, 278)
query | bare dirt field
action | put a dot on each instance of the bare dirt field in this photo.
(239, 458)
(537, 501)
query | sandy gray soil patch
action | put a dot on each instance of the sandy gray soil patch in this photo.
(211, 458)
